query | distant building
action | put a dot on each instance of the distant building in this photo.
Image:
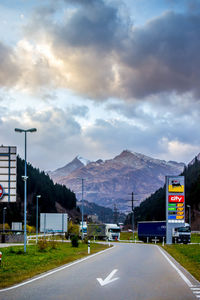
(93, 218)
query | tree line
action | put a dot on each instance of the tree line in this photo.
(38, 183)
(153, 208)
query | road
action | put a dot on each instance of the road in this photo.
(125, 272)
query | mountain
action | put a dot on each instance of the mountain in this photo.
(111, 182)
(153, 208)
(103, 214)
(75, 164)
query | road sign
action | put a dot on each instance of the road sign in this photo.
(175, 204)
(8, 174)
(1, 192)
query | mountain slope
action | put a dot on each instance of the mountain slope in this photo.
(153, 208)
(111, 181)
(75, 164)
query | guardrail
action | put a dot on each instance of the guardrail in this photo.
(33, 237)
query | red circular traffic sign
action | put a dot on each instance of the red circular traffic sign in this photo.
(1, 191)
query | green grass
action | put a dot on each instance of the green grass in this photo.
(127, 235)
(195, 238)
(188, 256)
(18, 266)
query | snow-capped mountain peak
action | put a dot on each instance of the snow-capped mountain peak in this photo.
(84, 161)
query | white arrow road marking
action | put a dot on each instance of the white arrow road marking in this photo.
(108, 279)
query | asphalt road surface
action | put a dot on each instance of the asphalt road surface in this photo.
(125, 272)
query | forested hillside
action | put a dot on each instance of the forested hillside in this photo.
(153, 208)
(38, 183)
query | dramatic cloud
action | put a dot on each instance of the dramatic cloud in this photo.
(143, 78)
(9, 68)
(94, 52)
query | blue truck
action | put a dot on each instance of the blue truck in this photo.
(149, 230)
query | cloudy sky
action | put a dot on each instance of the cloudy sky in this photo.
(99, 76)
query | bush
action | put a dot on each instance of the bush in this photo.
(53, 244)
(85, 240)
(42, 245)
(74, 241)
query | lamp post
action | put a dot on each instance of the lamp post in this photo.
(25, 177)
(38, 196)
(189, 214)
(82, 204)
(4, 213)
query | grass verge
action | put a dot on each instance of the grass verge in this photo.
(18, 266)
(188, 256)
(195, 238)
(127, 235)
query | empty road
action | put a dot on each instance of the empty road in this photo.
(125, 272)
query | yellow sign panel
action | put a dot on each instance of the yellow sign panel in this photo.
(179, 217)
(180, 213)
(179, 204)
(180, 208)
(176, 189)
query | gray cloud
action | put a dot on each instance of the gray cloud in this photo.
(163, 56)
(94, 24)
(106, 58)
(81, 111)
(9, 69)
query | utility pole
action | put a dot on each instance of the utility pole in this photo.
(132, 201)
(115, 214)
(82, 180)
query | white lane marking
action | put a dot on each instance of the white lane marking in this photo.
(195, 289)
(108, 279)
(177, 269)
(54, 271)
(196, 292)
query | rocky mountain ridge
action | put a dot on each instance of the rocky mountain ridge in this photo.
(111, 182)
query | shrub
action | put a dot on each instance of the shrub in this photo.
(74, 241)
(85, 240)
(53, 244)
(42, 245)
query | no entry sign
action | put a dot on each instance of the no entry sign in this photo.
(1, 192)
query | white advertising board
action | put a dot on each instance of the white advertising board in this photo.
(53, 222)
(17, 226)
(8, 173)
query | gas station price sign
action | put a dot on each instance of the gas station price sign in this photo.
(175, 200)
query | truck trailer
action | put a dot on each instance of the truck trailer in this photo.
(97, 231)
(149, 230)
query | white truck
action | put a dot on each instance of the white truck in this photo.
(112, 232)
(182, 234)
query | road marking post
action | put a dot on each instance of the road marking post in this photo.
(0, 257)
(88, 246)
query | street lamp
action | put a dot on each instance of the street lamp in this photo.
(4, 213)
(82, 181)
(189, 213)
(38, 196)
(25, 177)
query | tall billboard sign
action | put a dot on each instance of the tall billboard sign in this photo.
(175, 204)
(8, 173)
(53, 222)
